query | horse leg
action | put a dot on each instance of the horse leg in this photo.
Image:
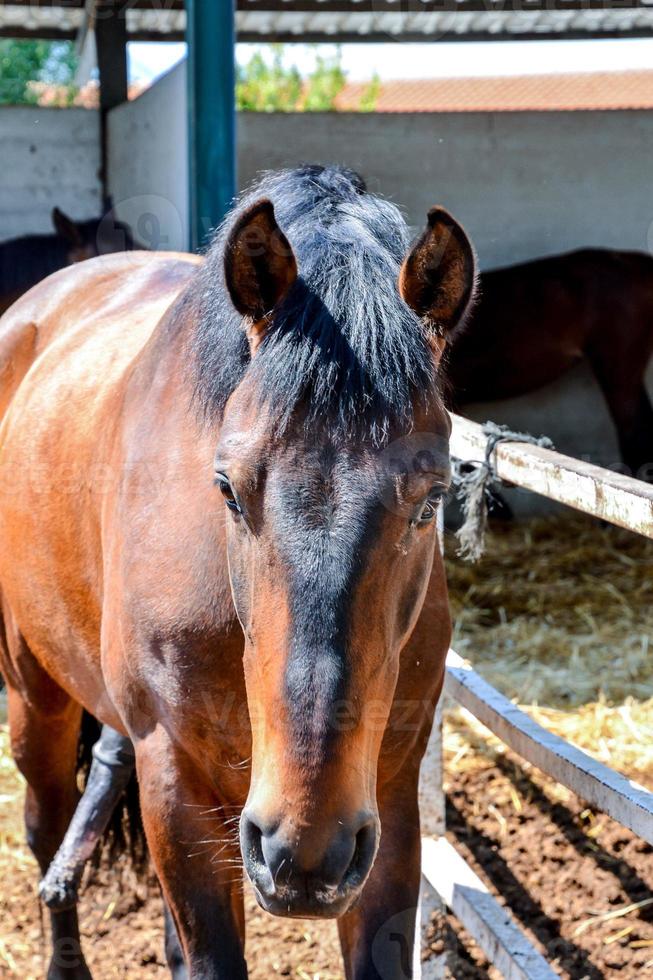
(632, 414)
(621, 378)
(113, 764)
(197, 862)
(174, 955)
(633, 417)
(111, 769)
(44, 744)
(378, 935)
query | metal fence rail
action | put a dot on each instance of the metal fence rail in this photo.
(612, 497)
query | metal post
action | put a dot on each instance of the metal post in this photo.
(211, 113)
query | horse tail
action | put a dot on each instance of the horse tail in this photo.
(125, 833)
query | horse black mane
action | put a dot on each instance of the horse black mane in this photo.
(343, 344)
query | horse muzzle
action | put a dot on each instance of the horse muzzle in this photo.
(304, 873)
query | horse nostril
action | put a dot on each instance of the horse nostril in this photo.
(265, 852)
(364, 852)
(349, 858)
(251, 842)
(306, 872)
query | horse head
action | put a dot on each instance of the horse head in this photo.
(332, 459)
(98, 236)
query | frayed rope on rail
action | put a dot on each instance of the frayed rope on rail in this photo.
(473, 480)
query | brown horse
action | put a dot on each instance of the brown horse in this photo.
(27, 260)
(217, 535)
(536, 320)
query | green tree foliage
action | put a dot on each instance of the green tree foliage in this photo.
(268, 85)
(23, 62)
(370, 95)
(324, 84)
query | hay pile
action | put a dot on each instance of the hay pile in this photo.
(559, 611)
(559, 615)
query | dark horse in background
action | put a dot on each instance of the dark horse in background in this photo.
(218, 490)
(27, 260)
(534, 321)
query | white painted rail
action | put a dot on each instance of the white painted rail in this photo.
(610, 496)
(598, 785)
(491, 925)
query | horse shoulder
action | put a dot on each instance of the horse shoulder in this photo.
(76, 336)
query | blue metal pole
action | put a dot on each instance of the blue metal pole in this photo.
(211, 113)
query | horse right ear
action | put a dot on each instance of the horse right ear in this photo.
(66, 228)
(259, 267)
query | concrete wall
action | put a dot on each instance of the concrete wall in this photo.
(148, 163)
(524, 184)
(48, 157)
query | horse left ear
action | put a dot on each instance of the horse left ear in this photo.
(259, 266)
(67, 229)
(438, 277)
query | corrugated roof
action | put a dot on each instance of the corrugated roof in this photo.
(508, 93)
(346, 20)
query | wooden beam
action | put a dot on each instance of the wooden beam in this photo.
(610, 496)
(108, 19)
(622, 799)
(62, 4)
(110, 22)
(491, 925)
(42, 34)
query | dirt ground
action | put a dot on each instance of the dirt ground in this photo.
(570, 876)
(579, 884)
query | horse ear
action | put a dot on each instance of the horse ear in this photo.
(66, 228)
(438, 277)
(259, 266)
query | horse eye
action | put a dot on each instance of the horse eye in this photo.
(430, 508)
(226, 490)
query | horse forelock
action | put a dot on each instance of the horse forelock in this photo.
(343, 344)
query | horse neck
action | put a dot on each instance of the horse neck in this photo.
(160, 404)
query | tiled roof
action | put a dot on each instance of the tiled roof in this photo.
(508, 93)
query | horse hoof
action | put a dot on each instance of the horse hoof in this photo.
(59, 896)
